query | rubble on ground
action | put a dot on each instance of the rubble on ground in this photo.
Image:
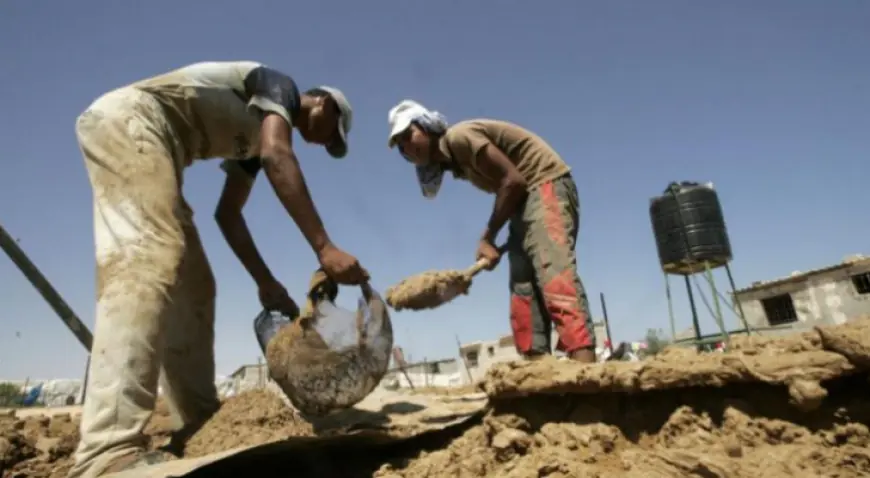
(769, 407)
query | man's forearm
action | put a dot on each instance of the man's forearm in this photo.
(508, 199)
(289, 185)
(238, 236)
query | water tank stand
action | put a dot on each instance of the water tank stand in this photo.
(733, 286)
(715, 309)
(696, 326)
(693, 264)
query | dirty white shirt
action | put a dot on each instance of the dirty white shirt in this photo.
(216, 108)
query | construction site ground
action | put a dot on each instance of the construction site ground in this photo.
(794, 406)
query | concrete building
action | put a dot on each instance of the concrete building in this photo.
(830, 295)
(452, 372)
(480, 356)
(247, 377)
(436, 373)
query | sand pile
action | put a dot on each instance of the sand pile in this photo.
(797, 406)
(446, 391)
(251, 418)
(428, 290)
(792, 406)
(40, 443)
(40, 446)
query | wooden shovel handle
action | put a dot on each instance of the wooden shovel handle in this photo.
(482, 263)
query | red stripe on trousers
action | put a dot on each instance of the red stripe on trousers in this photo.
(561, 297)
(521, 322)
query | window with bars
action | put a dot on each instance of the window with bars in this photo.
(779, 309)
(861, 283)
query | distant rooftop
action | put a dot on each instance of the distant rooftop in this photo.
(504, 340)
(800, 276)
(394, 367)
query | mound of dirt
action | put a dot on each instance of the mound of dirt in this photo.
(794, 406)
(734, 431)
(445, 391)
(769, 407)
(251, 418)
(41, 446)
(428, 290)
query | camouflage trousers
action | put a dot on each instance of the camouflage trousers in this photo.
(155, 290)
(546, 290)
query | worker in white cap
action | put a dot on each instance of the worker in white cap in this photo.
(535, 193)
(155, 289)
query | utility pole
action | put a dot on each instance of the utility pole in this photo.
(399, 359)
(606, 322)
(464, 362)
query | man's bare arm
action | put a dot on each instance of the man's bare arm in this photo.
(282, 169)
(237, 189)
(511, 193)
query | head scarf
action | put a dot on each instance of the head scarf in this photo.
(401, 117)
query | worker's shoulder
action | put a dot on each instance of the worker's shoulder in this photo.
(484, 126)
(218, 70)
(218, 65)
(215, 73)
(464, 127)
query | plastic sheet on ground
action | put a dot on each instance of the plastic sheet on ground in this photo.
(381, 420)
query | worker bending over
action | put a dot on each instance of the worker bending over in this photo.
(155, 289)
(533, 190)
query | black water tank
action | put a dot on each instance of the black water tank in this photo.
(689, 228)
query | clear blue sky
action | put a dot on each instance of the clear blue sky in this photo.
(769, 100)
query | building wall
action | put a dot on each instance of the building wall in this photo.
(441, 373)
(819, 300)
(249, 377)
(420, 380)
(492, 352)
(488, 353)
(601, 334)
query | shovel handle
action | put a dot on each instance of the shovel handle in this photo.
(482, 263)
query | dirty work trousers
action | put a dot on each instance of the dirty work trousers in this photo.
(546, 290)
(155, 290)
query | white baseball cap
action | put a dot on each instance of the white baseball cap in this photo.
(400, 118)
(338, 149)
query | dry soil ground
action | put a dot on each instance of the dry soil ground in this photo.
(796, 406)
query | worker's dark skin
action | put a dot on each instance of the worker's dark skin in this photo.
(509, 196)
(237, 189)
(318, 123)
